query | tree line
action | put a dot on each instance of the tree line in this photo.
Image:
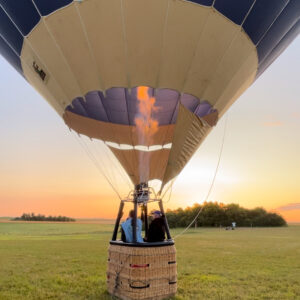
(218, 214)
(39, 217)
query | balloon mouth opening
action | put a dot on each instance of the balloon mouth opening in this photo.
(142, 107)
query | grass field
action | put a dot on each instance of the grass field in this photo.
(68, 261)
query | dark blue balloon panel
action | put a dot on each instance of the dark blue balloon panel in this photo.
(288, 38)
(23, 14)
(283, 24)
(10, 56)
(10, 33)
(46, 7)
(261, 17)
(235, 10)
(203, 2)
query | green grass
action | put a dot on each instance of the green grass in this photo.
(68, 261)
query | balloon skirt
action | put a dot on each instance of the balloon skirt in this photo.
(142, 272)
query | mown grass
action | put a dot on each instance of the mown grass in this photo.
(68, 261)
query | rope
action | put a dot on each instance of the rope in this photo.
(170, 187)
(212, 183)
(114, 164)
(118, 274)
(94, 160)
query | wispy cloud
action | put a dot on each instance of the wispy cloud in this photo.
(272, 123)
(296, 115)
(290, 206)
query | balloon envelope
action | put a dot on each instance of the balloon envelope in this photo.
(88, 58)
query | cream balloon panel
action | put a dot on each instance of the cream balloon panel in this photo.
(96, 45)
(39, 47)
(107, 41)
(51, 94)
(185, 25)
(144, 30)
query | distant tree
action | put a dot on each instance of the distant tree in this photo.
(219, 214)
(39, 217)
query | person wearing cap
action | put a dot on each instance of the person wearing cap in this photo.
(156, 231)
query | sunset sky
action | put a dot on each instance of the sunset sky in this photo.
(43, 168)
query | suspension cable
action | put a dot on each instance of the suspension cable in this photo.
(170, 187)
(116, 165)
(212, 183)
(97, 165)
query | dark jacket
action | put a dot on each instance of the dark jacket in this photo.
(156, 232)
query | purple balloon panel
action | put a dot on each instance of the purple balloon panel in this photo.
(121, 106)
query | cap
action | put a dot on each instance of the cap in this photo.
(156, 212)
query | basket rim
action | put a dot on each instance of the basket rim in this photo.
(143, 245)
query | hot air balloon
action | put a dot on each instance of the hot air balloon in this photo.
(150, 78)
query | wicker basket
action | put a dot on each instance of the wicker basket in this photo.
(136, 272)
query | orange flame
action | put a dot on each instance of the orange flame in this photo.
(146, 125)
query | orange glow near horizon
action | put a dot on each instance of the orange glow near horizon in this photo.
(76, 206)
(93, 206)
